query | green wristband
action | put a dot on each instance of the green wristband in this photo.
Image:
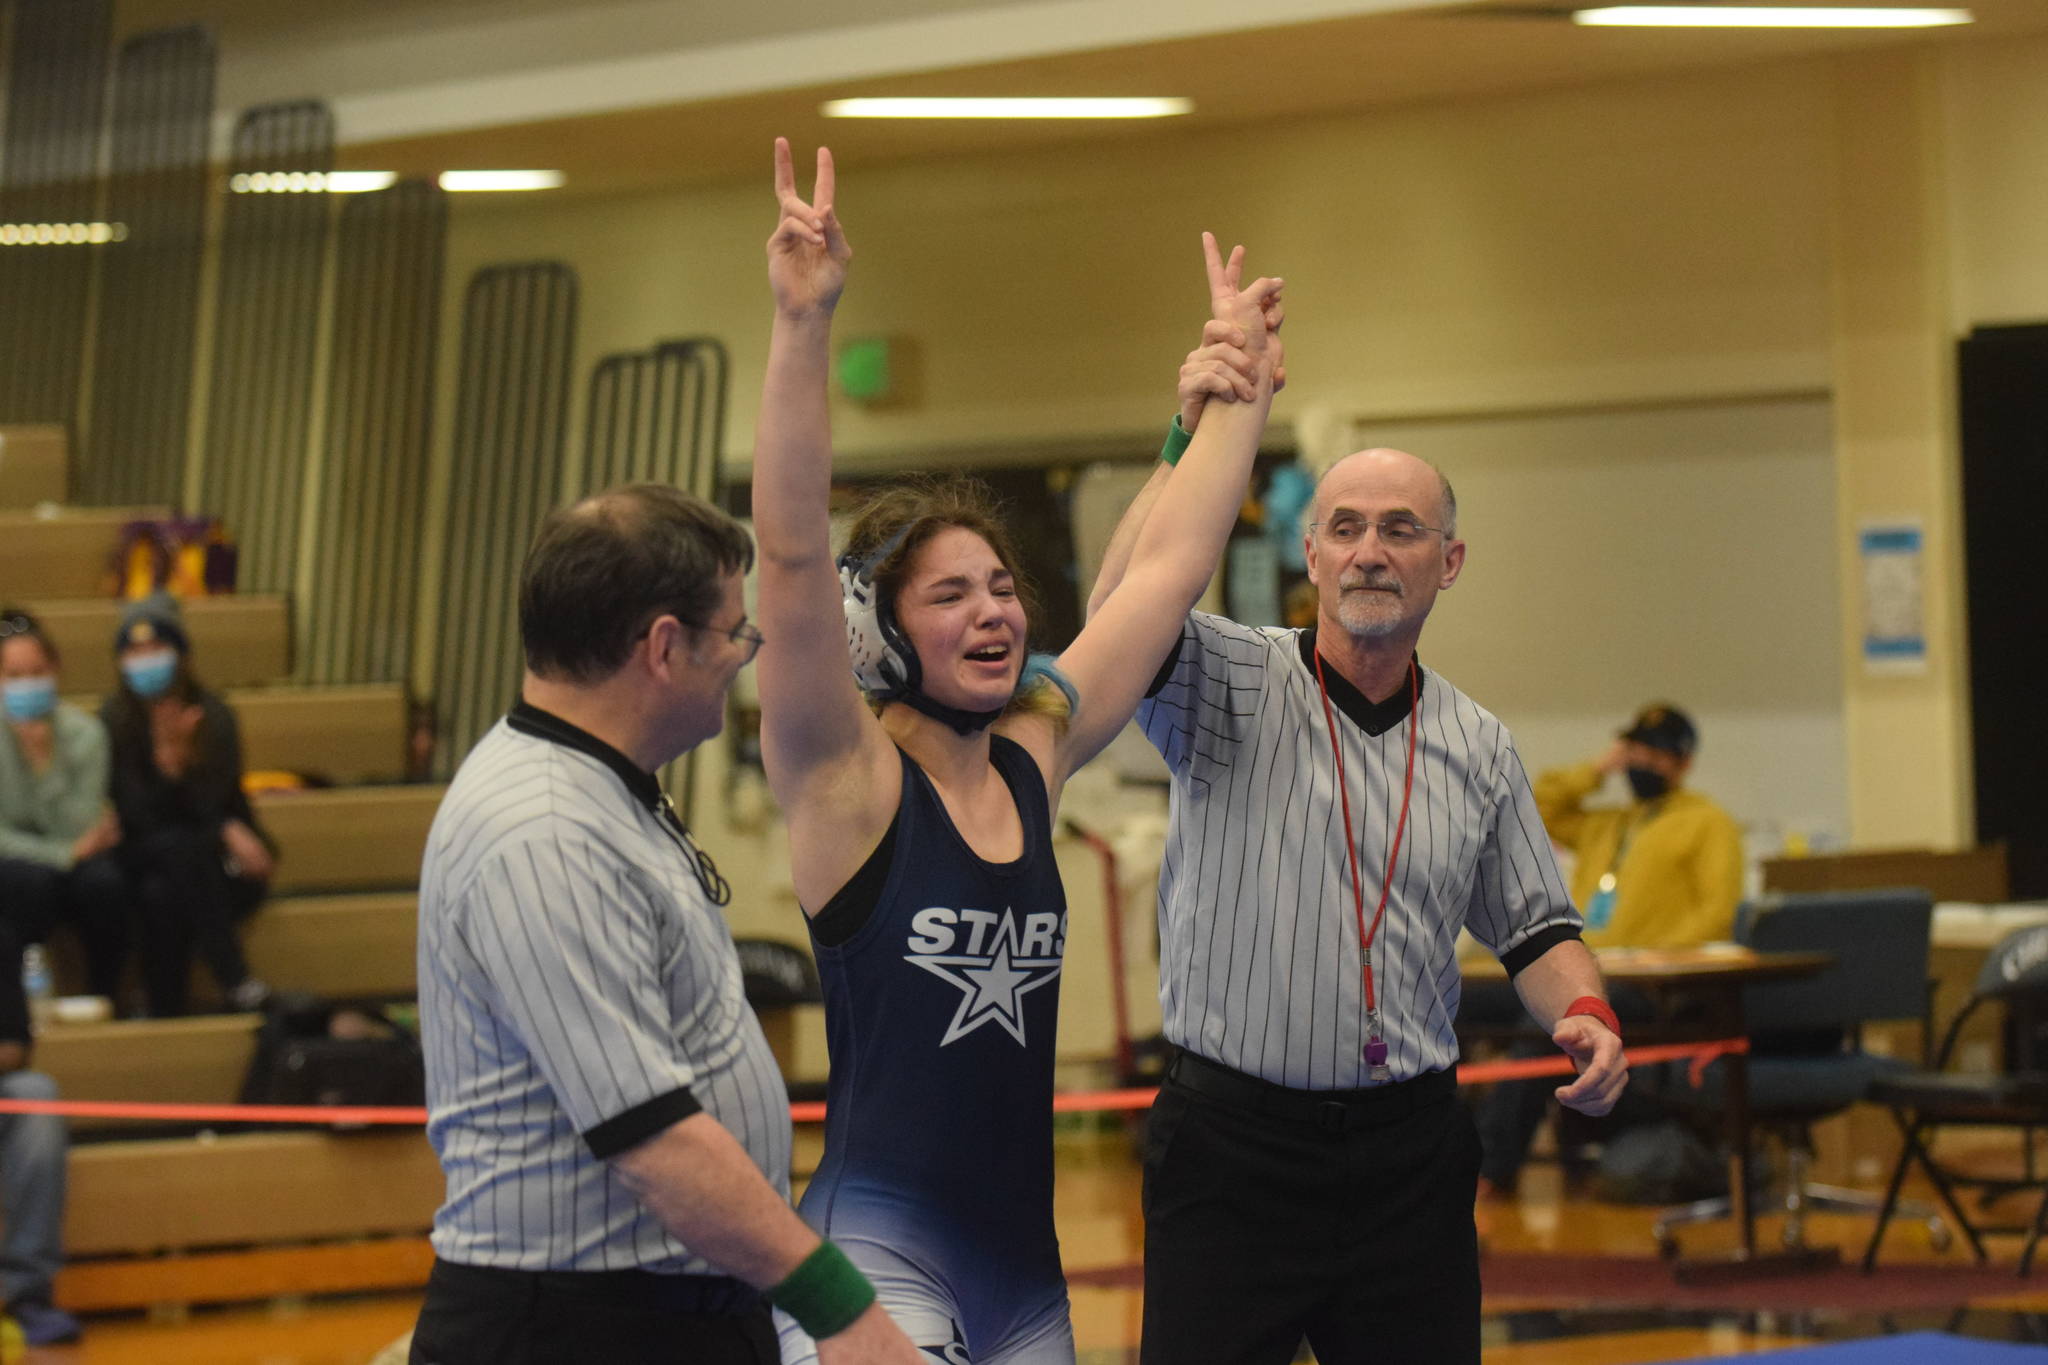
(1177, 438)
(825, 1293)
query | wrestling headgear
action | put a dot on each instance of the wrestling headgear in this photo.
(884, 660)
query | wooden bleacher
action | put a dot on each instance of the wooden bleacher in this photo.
(237, 640)
(69, 553)
(243, 1188)
(354, 945)
(33, 469)
(332, 734)
(236, 1215)
(156, 1061)
(340, 734)
(348, 838)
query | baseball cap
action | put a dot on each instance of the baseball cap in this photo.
(1664, 727)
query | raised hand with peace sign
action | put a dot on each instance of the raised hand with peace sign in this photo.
(807, 253)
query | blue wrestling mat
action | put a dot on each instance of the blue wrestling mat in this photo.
(1919, 1348)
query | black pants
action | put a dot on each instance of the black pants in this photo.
(92, 897)
(186, 904)
(1341, 1216)
(480, 1316)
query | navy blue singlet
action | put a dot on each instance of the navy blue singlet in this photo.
(939, 1016)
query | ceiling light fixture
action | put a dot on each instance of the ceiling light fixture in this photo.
(311, 182)
(62, 234)
(360, 182)
(487, 181)
(1006, 108)
(1769, 16)
(369, 182)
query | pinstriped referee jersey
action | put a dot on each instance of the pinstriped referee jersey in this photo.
(1259, 944)
(579, 993)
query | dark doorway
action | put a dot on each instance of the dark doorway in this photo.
(2004, 396)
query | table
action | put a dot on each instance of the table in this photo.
(1713, 975)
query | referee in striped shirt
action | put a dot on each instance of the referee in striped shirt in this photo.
(612, 1125)
(1339, 814)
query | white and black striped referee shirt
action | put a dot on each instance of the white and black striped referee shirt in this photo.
(1259, 958)
(579, 993)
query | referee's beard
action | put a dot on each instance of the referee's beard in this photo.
(1369, 606)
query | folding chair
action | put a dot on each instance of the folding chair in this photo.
(1922, 1102)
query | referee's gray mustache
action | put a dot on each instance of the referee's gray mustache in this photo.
(1392, 585)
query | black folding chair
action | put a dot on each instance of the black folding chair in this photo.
(1922, 1102)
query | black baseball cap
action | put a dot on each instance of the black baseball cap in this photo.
(1664, 727)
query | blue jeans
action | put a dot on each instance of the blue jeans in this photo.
(32, 1166)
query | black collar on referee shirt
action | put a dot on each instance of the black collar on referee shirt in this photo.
(529, 719)
(1373, 717)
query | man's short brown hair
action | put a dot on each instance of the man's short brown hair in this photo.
(602, 570)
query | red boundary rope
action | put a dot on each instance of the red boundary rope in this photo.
(1699, 1054)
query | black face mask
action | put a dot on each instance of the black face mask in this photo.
(1649, 784)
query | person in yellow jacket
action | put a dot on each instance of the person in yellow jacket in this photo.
(1663, 871)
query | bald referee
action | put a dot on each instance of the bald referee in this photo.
(612, 1125)
(1339, 813)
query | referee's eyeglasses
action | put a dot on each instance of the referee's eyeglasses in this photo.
(742, 634)
(1399, 530)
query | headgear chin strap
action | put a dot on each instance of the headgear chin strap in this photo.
(963, 722)
(884, 660)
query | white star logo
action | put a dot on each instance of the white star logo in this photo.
(992, 985)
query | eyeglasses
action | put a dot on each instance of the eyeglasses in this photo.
(741, 634)
(1398, 530)
(11, 626)
(717, 889)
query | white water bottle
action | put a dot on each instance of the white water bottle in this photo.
(37, 986)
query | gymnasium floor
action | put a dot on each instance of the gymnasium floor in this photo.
(1100, 1232)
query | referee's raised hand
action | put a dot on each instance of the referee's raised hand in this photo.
(1596, 1051)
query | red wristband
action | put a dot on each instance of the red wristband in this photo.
(1598, 1009)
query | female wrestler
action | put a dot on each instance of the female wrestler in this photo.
(921, 813)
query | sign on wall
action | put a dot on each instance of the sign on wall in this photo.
(1894, 629)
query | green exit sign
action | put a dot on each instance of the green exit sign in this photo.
(878, 371)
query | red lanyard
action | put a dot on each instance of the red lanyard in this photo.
(1375, 1043)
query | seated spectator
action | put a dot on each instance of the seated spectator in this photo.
(56, 832)
(1663, 870)
(32, 1169)
(190, 845)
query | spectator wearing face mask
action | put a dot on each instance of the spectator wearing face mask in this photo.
(190, 845)
(56, 832)
(1663, 870)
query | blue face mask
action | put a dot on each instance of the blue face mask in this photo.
(149, 675)
(30, 698)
